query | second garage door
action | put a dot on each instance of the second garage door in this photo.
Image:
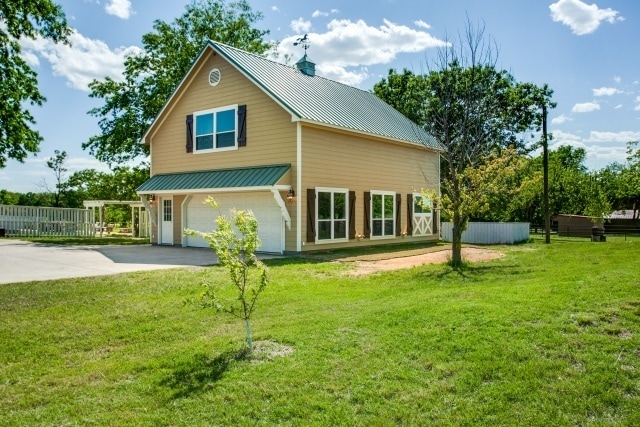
(200, 216)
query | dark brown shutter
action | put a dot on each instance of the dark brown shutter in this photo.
(434, 218)
(311, 215)
(398, 217)
(409, 214)
(189, 145)
(352, 215)
(367, 216)
(242, 125)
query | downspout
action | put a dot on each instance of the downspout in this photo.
(299, 187)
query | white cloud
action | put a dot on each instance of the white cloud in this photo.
(86, 59)
(319, 13)
(581, 17)
(605, 91)
(614, 137)
(300, 25)
(559, 136)
(340, 74)
(275, 8)
(420, 23)
(349, 43)
(602, 148)
(120, 8)
(585, 107)
(31, 58)
(617, 107)
(617, 79)
(560, 119)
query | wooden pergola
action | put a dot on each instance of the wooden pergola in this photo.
(136, 206)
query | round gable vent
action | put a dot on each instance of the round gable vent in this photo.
(214, 77)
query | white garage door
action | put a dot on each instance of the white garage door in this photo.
(201, 217)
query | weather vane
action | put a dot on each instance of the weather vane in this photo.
(304, 41)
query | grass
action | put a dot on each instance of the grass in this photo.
(548, 335)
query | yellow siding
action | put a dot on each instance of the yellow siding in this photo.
(271, 135)
(330, 158)
(177, 219)
(360, 164)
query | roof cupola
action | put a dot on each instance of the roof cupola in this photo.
(305, 65)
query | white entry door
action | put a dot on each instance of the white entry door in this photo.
(166, 225)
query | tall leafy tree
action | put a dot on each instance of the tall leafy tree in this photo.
(150, 77)
(471, 108)
(18, 81)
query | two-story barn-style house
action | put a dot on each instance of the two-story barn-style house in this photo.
(321, 164)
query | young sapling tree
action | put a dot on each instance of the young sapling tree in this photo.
(235, 242)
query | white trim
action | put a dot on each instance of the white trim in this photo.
(217, 190)
(184, 224)
(213, 112)
(153, 215)
(217, 82)
(383, 219)
(283, 208)
(332, 190)
(299, 188)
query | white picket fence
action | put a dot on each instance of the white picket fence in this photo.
(36, 221)
(487, 233)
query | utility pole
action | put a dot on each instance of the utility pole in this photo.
(545, 168)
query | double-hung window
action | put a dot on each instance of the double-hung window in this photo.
(383, 214)
(215, 130)
(331, 206)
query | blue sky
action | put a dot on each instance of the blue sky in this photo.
(586, 52)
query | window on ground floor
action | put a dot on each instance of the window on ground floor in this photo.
(383, 214)
(331, 209)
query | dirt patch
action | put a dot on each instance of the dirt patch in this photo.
(268, 349)
(363, 267)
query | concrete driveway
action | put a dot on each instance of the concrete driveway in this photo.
(25, 261)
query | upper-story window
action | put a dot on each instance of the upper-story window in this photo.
(215, 130)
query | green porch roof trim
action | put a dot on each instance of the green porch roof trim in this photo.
(256, 176)
(325, 101)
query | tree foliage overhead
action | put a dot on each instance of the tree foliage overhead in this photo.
(151, 76)
(18, 81)
(472, 109)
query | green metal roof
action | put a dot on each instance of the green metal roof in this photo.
(325, 101)
(256, 176)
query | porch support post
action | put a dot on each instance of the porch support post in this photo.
(283, 208)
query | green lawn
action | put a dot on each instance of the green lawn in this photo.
(546, 336)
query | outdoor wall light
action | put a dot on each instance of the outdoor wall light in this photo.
(152, 198)
(291, 194)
